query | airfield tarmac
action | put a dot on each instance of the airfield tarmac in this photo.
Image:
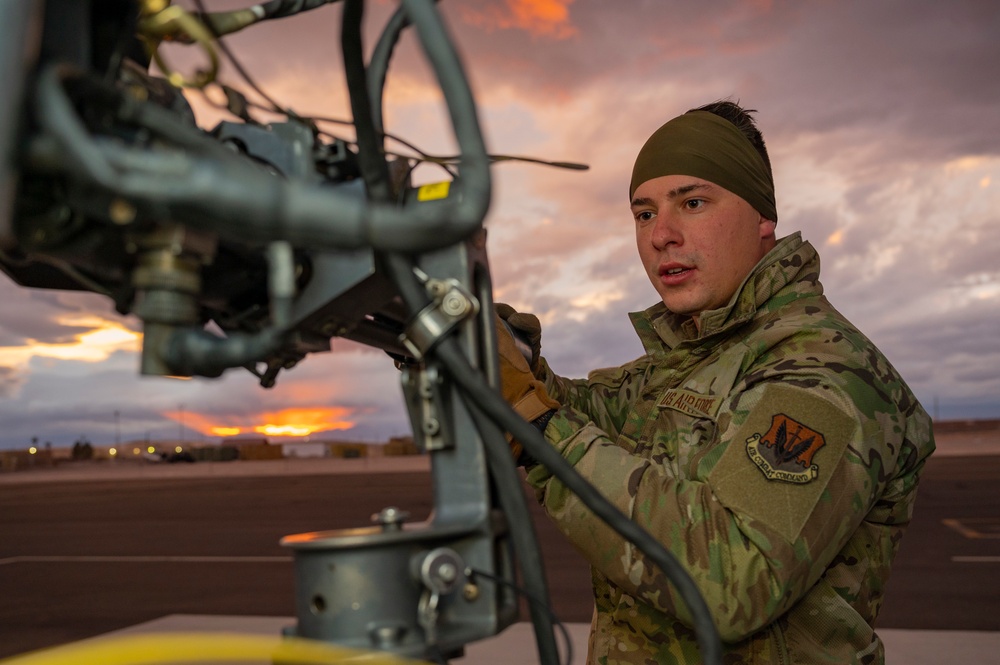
(89, 550)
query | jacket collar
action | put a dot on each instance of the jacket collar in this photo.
(792, 260)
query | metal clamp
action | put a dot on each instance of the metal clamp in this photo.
(439, 572)
(452, 304)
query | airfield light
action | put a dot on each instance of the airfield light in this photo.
(178, 449)
(32, 450)
(151, 449)
(112, 451)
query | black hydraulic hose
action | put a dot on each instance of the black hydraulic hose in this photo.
(504, 475)
(370, 156)
(522, 529)
(196, 352)
(378, 66)
(473, 199)
(448, 353)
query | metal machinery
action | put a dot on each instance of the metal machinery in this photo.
(283, 237)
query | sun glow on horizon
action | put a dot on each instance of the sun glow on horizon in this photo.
(295, 422)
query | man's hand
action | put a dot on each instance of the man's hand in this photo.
(527, 327)
(518, 385)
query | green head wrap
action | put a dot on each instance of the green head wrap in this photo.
(707, 146)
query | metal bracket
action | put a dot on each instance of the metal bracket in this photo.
(451, 305)
(431, 396)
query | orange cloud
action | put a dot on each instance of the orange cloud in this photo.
(287, 422)
(548, 18)
(102, 338)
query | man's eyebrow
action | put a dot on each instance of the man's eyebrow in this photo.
(686, 189)
(672, 194)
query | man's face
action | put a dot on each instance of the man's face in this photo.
(697, 241)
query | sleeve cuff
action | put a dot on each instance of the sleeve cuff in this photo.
(540, 423)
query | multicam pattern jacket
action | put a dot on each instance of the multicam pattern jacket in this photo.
(776, 453)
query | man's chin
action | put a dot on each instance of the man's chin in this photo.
(680, 307)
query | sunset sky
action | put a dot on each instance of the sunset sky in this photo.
(882, 119)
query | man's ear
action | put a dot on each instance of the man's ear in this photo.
(766, 227)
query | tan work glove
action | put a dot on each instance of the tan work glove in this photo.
(518, 385)
(527, 327)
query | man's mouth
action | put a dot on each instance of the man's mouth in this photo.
(674, 273)
(673, 269)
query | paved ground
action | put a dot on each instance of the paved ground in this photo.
(515, 645)
(85, 551)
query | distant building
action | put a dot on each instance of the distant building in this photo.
(306, 449)
(401, 445)
(348, 450)
(18, 460)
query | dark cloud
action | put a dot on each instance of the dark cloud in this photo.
(32, 314)
(620, 258)
(10, 381)
(916, 76)
(816, 224)
(970, 253)
(606, 335)
(966, 331)
(25, 315)
(981, 375)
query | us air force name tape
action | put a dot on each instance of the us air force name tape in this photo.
(706, 146)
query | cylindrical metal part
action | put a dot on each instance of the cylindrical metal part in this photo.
(167, 281)
(357, 587)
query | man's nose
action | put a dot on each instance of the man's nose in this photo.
(666, 231)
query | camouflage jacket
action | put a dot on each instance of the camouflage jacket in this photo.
(776, 453)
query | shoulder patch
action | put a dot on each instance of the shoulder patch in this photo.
(784, 453)
(780, 459)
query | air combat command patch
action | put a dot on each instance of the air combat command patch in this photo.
(786, 450)
(776, 431)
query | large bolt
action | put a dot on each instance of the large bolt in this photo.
(447, 572)
(455, 304)
(391, 518)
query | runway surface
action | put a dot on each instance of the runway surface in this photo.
(83, 557)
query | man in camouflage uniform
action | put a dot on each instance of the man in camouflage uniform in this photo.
(762, 438)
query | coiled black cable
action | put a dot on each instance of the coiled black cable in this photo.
(472, 573)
